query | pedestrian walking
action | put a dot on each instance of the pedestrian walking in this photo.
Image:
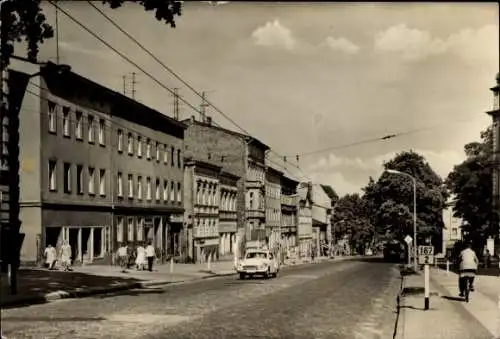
(122, 257)
(140, 260)
(487, 259)
(50, 257)
(66, 256)
(150, 255)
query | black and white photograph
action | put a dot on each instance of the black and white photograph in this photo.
(249, 169)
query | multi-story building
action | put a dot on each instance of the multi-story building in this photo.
(305, 229)
(289, 211)
(495, 115)
(201, 199)
(321, 215)
(241, 155)
(228, 219)
(273, 206)
(97, 169)
(452, 227)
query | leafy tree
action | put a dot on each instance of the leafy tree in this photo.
(351, 219)
(334, 197)
(390, 200)
(23, 20)
(471, 184)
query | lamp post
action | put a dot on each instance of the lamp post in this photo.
(414, 212)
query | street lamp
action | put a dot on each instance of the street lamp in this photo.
(414, 212)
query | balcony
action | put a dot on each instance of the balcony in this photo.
(289, 200)
(256, 214)
(228, 215)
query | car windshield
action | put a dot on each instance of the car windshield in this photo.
(254, 255)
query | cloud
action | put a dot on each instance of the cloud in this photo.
(332, 167)
(274, 34)
(77, 48)
(341, 44)
(472, 45)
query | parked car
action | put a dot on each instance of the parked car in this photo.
(258, 262)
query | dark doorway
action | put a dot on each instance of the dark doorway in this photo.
(52, 235)
(73, 242)
(85, 240)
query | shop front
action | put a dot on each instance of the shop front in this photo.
(227, 237)
(205, 247)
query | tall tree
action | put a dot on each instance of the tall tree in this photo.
(23, 20)
(470, 182)
(351, 219)
(390, 199)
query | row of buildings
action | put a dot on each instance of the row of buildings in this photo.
(97, 168)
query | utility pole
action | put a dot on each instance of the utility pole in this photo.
(124, 79)
(57, 34)
(176, 103)
(134, 82)
(203, 106)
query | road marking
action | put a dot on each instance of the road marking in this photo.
(145, 318)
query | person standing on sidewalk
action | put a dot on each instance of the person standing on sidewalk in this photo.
(468, 267)
(150, 255)
(66, 256)
(140, 258)
(50, 257)
(122, 257)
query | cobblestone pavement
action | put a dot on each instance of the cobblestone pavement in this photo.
(348, 299)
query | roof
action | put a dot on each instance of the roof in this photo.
(274, 171)
(245, 137)
(69, 84)
(229, 175)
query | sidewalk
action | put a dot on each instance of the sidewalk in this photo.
(448, 317)
(40, 285)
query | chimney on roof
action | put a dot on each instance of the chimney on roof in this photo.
(193, 119)
(208, 121)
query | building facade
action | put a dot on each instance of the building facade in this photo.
(321, 215)
(305, 226)
(289, 212)
(495, 115)
(240, 155)
(97, 169)
(201, 198)
(228, 218)
(273, 206)
(452, 231)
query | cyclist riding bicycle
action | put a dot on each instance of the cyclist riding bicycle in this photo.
(468, 263)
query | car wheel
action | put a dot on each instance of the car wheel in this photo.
(242, 276)
(268, 273)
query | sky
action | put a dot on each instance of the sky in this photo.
(306, 77)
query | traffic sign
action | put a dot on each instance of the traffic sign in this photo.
(425, 255)
(408, 239)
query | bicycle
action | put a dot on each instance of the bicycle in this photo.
(467, 289)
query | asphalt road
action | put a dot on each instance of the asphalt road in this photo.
(350, 299)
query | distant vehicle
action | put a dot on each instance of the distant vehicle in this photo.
(258, 262)
(394, 252)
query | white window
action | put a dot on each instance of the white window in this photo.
(79, 179)
(130, 186)
(130, 144)
(52, 175)
(102, 131)
(158, 190)
(90, 121)
(120, 184)
(139, 147)
(91, 181)
(157, 152)
(165, 154)
(102, 182)
(66, 126)
(52, 117)
(148, 149)
(179, 192)
(140, 229)
(165, 190)
(79, 126)
(172, 191)
(119, 229)
(148, 188)
(120, 141)
(139, 187)
(67, 177)
(130, 229)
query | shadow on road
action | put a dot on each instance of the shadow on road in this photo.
(374, 259)
(51, 319)
(133, 293)
(447, 297)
